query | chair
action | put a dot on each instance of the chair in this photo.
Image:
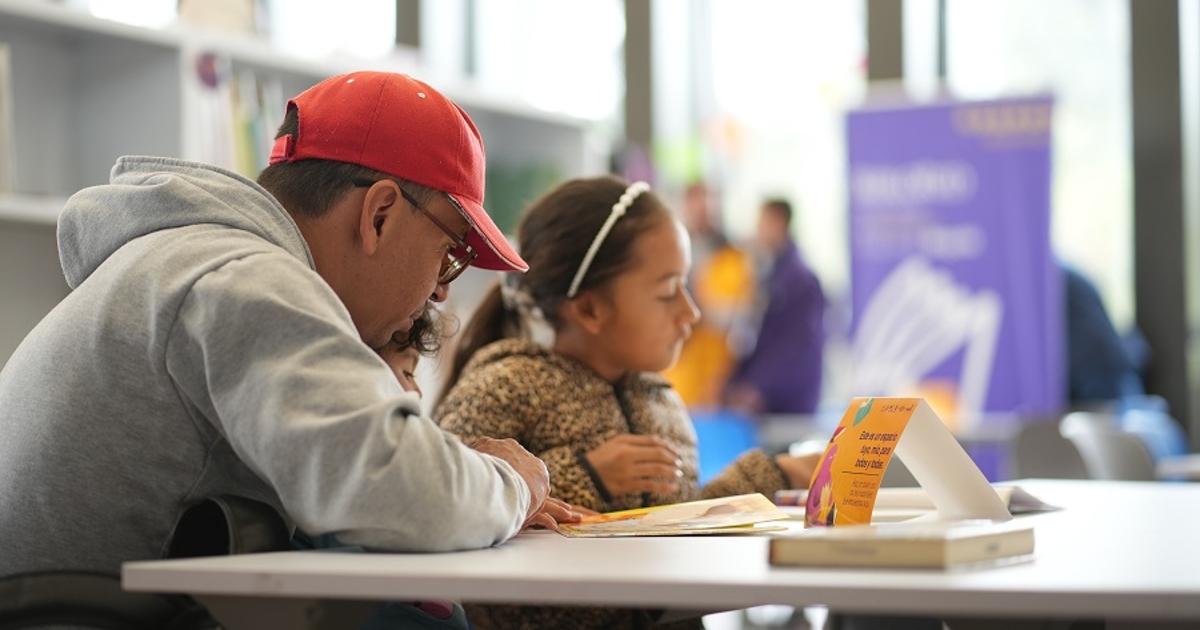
(1040, 450)
(1149, 418)
(215, 526)
(1108, 452)
(721, 436)
(91, 600)
(229, 525)
(1160, 432)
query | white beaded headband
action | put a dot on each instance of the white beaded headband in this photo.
(618, 210)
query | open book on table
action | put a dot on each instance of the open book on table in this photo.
(742, 514)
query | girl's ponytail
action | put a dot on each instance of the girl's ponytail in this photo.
(490, 322)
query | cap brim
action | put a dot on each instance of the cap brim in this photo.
(495, 252)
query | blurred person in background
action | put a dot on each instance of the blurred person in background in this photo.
(779, 370)
(1102, 366)
(722, 283)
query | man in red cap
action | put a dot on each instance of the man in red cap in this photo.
(219, 335)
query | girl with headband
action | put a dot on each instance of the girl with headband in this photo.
(565, 359)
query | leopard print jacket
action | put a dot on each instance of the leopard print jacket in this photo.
(559, 409)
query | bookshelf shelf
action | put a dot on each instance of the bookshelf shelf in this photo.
(86, 90)
(56, 19)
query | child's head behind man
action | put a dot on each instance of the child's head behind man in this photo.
(404, 352)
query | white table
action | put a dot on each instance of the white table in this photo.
(1128, 552)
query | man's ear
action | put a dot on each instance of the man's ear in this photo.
(589, 311)
(378, 212)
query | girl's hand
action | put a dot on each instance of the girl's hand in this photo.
(631, 464)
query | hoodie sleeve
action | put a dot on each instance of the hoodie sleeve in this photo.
(265, 352)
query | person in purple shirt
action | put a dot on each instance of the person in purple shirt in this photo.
(780, 369)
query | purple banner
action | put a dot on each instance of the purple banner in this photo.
(956, 294)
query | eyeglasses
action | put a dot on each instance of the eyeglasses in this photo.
(460, 256)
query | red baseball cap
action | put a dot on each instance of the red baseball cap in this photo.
(395, 124)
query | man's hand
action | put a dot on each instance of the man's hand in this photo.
(554, 512)
(629, 464)
(531, 469)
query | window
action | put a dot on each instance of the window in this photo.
(1077, 50)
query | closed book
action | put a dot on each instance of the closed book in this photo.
(930, 544)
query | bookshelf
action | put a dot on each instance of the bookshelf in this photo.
(86, 90)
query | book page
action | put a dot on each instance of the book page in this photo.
(1019, 501)
(740, 514)
(900, 504)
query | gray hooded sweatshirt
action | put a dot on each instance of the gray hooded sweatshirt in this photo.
(199, 353)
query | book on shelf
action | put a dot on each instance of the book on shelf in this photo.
(932, 545)
(741, 514)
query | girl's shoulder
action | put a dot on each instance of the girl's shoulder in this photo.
(508, 352)
(522, 364)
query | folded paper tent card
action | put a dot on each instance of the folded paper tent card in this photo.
(846, 483)
(899, 504)
(965, 520)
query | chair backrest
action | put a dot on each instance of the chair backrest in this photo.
(90, 600)
(1108, 452)
(1040, 450)
(721, 436)
(228, 525)
(1161, 433)
(218, 525)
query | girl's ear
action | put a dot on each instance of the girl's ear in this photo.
(588, 310)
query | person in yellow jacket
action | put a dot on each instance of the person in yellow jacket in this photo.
(723, 286)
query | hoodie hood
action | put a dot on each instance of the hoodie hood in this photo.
(149, 194)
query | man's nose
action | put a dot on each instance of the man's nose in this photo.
(440, 293)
